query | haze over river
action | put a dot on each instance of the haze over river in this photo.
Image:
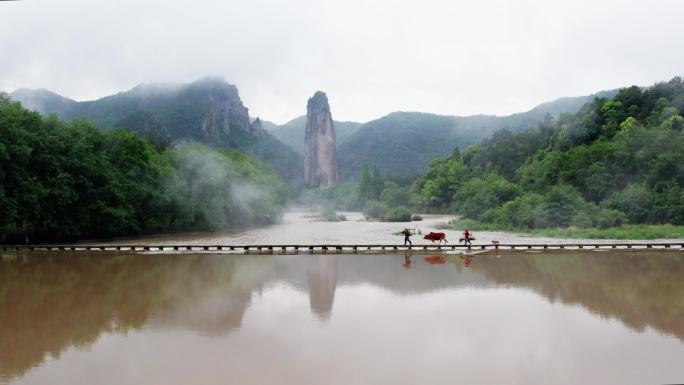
(298, 227)
(609, 317)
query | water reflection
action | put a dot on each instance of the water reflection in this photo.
(408, 263)
(467, 260)
(641, 289)
(322, 280)
(50, 303)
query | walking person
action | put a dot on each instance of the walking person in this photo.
(467, 237)
(407, 234)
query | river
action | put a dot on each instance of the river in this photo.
(300, 227)
(609, 317)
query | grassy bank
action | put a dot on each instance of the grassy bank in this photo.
(621, 232)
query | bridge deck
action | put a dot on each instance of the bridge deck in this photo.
(341, 247)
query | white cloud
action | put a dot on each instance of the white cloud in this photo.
(371, 57)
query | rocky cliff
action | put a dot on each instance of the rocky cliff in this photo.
(320, 160)
(223, 109)
(256, 128)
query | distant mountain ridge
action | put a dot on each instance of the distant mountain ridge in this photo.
(208, 110)
(404, 143)
(292, 132)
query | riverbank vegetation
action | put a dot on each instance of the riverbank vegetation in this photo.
(616, 162)
(69, 180)
(639, 231)
(379, 199)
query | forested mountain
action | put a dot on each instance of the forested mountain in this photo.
(70, 180)
(404, 143)
(208, 111)
(616, 161)
(292, 132)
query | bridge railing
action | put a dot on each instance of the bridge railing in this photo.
(340, 247)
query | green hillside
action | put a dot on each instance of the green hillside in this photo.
(404, 143)
(208, 111)
(616, 161)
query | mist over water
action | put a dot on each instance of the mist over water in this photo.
(302, 226)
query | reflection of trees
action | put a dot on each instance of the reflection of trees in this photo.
(321, 276)
(50, 303)
(639, 288)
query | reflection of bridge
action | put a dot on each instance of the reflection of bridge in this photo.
(339, 248)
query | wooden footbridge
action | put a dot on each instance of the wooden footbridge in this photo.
(324, 248)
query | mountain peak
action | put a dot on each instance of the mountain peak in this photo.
(42, 100)
(320, 160)
(319, 100)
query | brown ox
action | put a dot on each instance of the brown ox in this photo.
(432, 236)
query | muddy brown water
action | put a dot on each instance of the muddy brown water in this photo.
(611, 317)
(298, 227)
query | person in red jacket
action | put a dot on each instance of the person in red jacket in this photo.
(467, 235)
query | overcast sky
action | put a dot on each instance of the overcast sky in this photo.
(370, 57)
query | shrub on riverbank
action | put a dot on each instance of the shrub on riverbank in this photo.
(328, 214)
(381, 212)
(398, 214)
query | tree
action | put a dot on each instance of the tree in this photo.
(377, 184)
(365, 185)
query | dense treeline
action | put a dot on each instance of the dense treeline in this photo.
(69, 180)
(616, 161)
(386, 199)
